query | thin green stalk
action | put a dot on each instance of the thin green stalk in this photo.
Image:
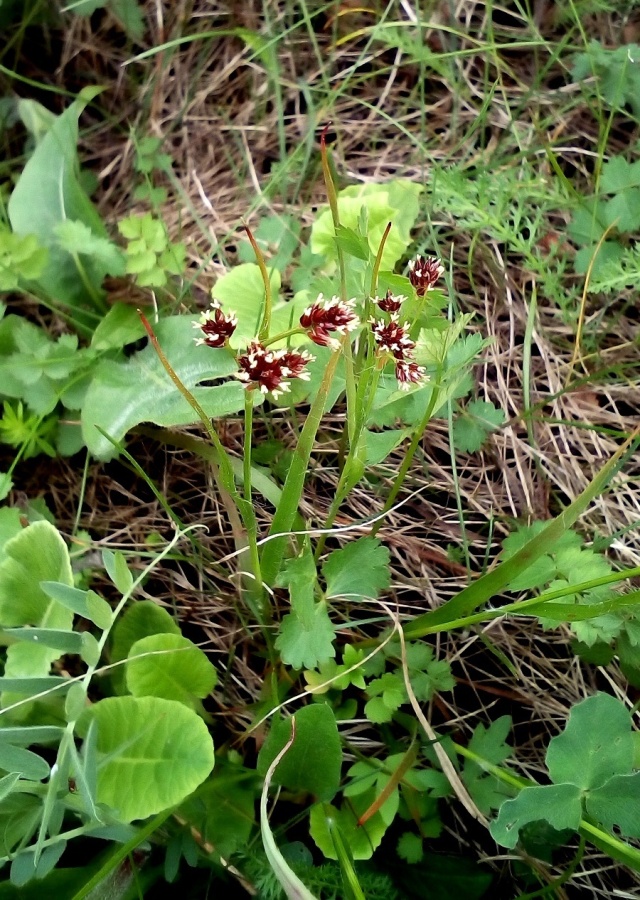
(352, 471)
(252, 530)
(273, 552)
(241, 514)
(408, 457)
(265, 325)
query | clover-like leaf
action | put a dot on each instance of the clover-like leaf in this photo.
(596, 744)
(358, 571)
(558, 804)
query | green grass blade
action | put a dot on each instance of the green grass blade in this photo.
(493, 582)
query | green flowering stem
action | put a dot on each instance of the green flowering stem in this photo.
(354, 464)
(265, 325)
(332, 196)
(222, 470)
(282, 523)
(249, 517)
(408, 457)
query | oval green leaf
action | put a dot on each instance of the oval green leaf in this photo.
(151, 754)
(169, 666)
(314, 760)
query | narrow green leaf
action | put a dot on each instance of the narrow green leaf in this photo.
(7, 784)
(83, 603)
(27, 735)
(54, 638)
(117, 570)
(34, 685)
(89, 649)
(75, 701)
(23, 762)
(487, 586)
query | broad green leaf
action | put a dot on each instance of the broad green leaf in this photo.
(151, 754)
(558, 804)
(10, 526)
(125, 393)
(595, 744)
(170, 666)
(27, 764)
(141, 619)
(49, 183)
(362, 840)
(120, 326)
(314, 760)
(616, 804)
(397, 202)
(241, 291)
(35, 554)
(359, 571)
(293, 887)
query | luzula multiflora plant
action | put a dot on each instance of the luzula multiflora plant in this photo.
(370, 333)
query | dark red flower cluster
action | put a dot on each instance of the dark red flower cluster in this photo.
(216, 327)
(392, 338)
(390, 303)
(269, 370)
(424, 273)
(325, 316)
